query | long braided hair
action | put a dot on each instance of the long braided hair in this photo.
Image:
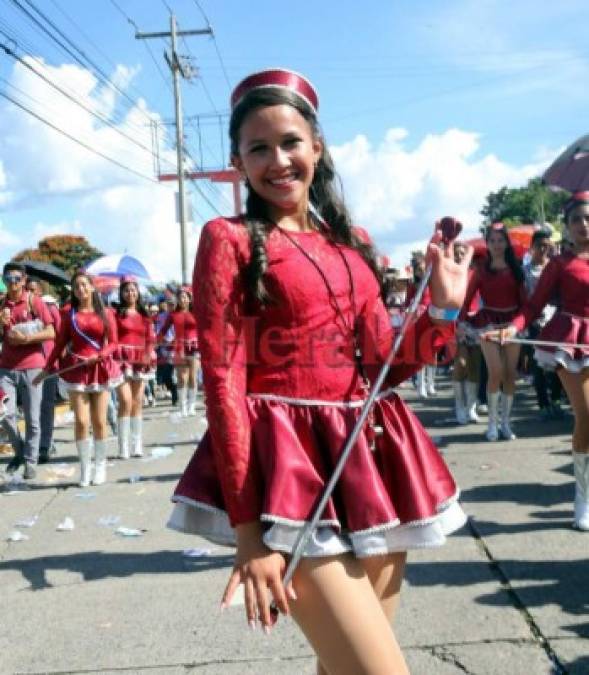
(323, 196)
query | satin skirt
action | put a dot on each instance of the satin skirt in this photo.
(393, 495)
(566, 328)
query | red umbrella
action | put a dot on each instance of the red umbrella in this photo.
(570, 170)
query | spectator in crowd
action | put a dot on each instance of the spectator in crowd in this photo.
(544, 380)
(165, 375)
(50, 390)
(25, 324)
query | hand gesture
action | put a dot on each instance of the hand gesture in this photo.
(5, 317)
(500, 335)
(449, 279)
(40, 377)
(260, 570)
(15, 337)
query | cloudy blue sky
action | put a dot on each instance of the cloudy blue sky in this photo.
(427, 106)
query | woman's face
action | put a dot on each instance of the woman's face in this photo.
(183, 300)
(130, 294)
(578, 225)
(496, 244)
(277, 154)
(83, 288)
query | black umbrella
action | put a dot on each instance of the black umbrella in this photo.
(45, 272)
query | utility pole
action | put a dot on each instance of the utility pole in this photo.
(178, 68)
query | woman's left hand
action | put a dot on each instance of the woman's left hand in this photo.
(449, 279)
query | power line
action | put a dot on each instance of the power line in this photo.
(18, 104)
(206, 18)
(85, 61)
(79, 103)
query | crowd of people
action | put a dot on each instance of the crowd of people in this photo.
(103, 357)
(291, 324)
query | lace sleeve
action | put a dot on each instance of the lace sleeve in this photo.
(219, 313)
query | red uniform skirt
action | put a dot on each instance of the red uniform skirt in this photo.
(132, 363)
(100, 376)
(565, 327)
(394, 496)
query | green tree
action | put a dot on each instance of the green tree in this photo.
(68, 252)
(534, 203)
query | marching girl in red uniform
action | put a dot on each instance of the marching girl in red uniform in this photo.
(135, 354)
(88, 333)
(292, 329)
(186, 357)
(500, 283)
(566, 280)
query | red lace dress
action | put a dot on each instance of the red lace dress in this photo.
(185, 345)
(82, 335)
(136, 345)
(565, 283)
(283, 393)
(501, 296)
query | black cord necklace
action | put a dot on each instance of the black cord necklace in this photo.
(351, 330)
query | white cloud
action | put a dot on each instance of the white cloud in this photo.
(398, 193)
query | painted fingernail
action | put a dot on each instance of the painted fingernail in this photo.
(292, 594)
(267, 630)
(252, 624)
(223, 606)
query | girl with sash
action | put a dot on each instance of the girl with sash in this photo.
(88, 335)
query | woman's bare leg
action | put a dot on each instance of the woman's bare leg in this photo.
(386, 576)
(339, 612)
(576, 386)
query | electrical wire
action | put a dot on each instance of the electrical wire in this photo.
(20, 105)
(223, 69)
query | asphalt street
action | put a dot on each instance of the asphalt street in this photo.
(508, 594)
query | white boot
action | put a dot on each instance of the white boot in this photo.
(182, 400)
(459, 409)
(84, 452)
(430, 376)
(581, 461)
(472, 389)
(421, 383)
(137, 436)
(124, 427)
(99, 462)
(506, 403)
(493, 405)
(192, 402)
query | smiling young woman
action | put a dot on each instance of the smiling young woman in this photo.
(292, 330)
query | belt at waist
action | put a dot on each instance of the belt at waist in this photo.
(317, 402)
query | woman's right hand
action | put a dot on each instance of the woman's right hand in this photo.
(500, 335)
(260, 570)
(39, 377)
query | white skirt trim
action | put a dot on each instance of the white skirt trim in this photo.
(551, 360)
(93, 387)
(195, 517)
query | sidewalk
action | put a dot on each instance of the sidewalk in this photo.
(508, 594)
